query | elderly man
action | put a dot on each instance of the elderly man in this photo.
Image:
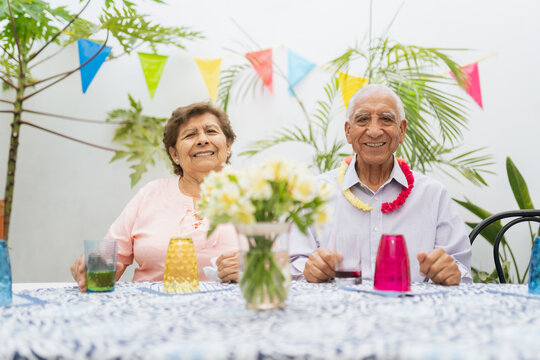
(377, 194)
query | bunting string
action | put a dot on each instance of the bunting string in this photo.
(262, 62)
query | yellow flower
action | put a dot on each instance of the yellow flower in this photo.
(325, 191)
(323, 214)
(302, 188)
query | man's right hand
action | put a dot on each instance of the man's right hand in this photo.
(320, 266)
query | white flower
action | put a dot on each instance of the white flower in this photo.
(325, 191)
(302, 188)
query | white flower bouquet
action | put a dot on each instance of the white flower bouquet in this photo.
(273, 192)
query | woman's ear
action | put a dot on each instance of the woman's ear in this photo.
(174, 154)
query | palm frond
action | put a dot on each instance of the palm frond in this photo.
(227, 80)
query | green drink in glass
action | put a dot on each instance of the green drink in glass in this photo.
(100, 258)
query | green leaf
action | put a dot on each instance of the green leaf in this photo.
(140, 135)
(518, 185)
(491, 231)
(480, 276)
(475, 209)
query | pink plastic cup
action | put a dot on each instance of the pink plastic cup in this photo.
(392, 271)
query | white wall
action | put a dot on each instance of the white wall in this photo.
(66, 192)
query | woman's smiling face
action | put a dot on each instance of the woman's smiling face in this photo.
(201, 146)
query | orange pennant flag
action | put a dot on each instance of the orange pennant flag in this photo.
(262, 63)
(472, 79)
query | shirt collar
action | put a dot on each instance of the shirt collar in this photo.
(351, 178)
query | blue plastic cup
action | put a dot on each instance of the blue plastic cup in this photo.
(5, 275)
(534, 268)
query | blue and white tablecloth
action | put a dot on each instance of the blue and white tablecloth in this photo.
(137, 320)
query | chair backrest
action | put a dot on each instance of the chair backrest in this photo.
(519, 215)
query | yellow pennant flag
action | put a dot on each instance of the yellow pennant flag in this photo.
(349, 85)
(152, 66)
(210, 69)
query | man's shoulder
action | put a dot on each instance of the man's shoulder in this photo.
(328, 176)
(427, 183)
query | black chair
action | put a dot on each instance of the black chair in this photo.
(519, 215)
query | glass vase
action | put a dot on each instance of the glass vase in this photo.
(5, 275)
(265, 274)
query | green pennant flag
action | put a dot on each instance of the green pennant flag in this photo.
(152, 67)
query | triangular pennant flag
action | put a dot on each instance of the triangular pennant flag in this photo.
(262, 63)
(349, 85)
(87, 49)
(152, 67)
(299, 67)
(209, 69)
(472, 79)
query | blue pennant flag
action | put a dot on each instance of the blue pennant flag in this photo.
(87, 49)
(299, 67)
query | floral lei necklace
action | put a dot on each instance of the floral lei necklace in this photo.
(386, 207)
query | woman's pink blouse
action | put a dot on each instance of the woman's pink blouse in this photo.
(158, 212)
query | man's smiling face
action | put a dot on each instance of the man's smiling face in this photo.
(375, 128)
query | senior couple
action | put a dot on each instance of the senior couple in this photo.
(375, 193)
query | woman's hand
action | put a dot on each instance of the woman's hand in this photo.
(78, 270)
(227, 265)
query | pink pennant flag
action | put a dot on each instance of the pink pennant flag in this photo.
(262, 63)
(472, 80)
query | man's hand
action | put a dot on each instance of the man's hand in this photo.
(439, 267)
(320, 266)
(227, 265)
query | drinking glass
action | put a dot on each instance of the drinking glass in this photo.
(534, 268)
(392, 270)
(100, 258)
(5, 275)
(348, 263)
(181, 273)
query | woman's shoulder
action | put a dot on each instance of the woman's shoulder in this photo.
(156, 189)
(158, 185)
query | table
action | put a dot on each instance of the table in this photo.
(137, 320)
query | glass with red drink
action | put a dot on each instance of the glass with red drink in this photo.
(348, 260)
(392, 270)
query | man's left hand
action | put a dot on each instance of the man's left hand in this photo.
(439, 267)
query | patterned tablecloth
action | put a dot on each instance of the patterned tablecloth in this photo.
(137, 320)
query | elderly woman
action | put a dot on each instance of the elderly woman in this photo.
(198, 139)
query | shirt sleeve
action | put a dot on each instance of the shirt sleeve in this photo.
(300, 247)
(451, 236)
(122, 229)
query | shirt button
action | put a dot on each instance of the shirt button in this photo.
(376, 229)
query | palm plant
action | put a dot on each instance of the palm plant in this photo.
(436, 118)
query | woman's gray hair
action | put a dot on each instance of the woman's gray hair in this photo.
(375, 87)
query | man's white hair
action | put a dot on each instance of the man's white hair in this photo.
(376, 87)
